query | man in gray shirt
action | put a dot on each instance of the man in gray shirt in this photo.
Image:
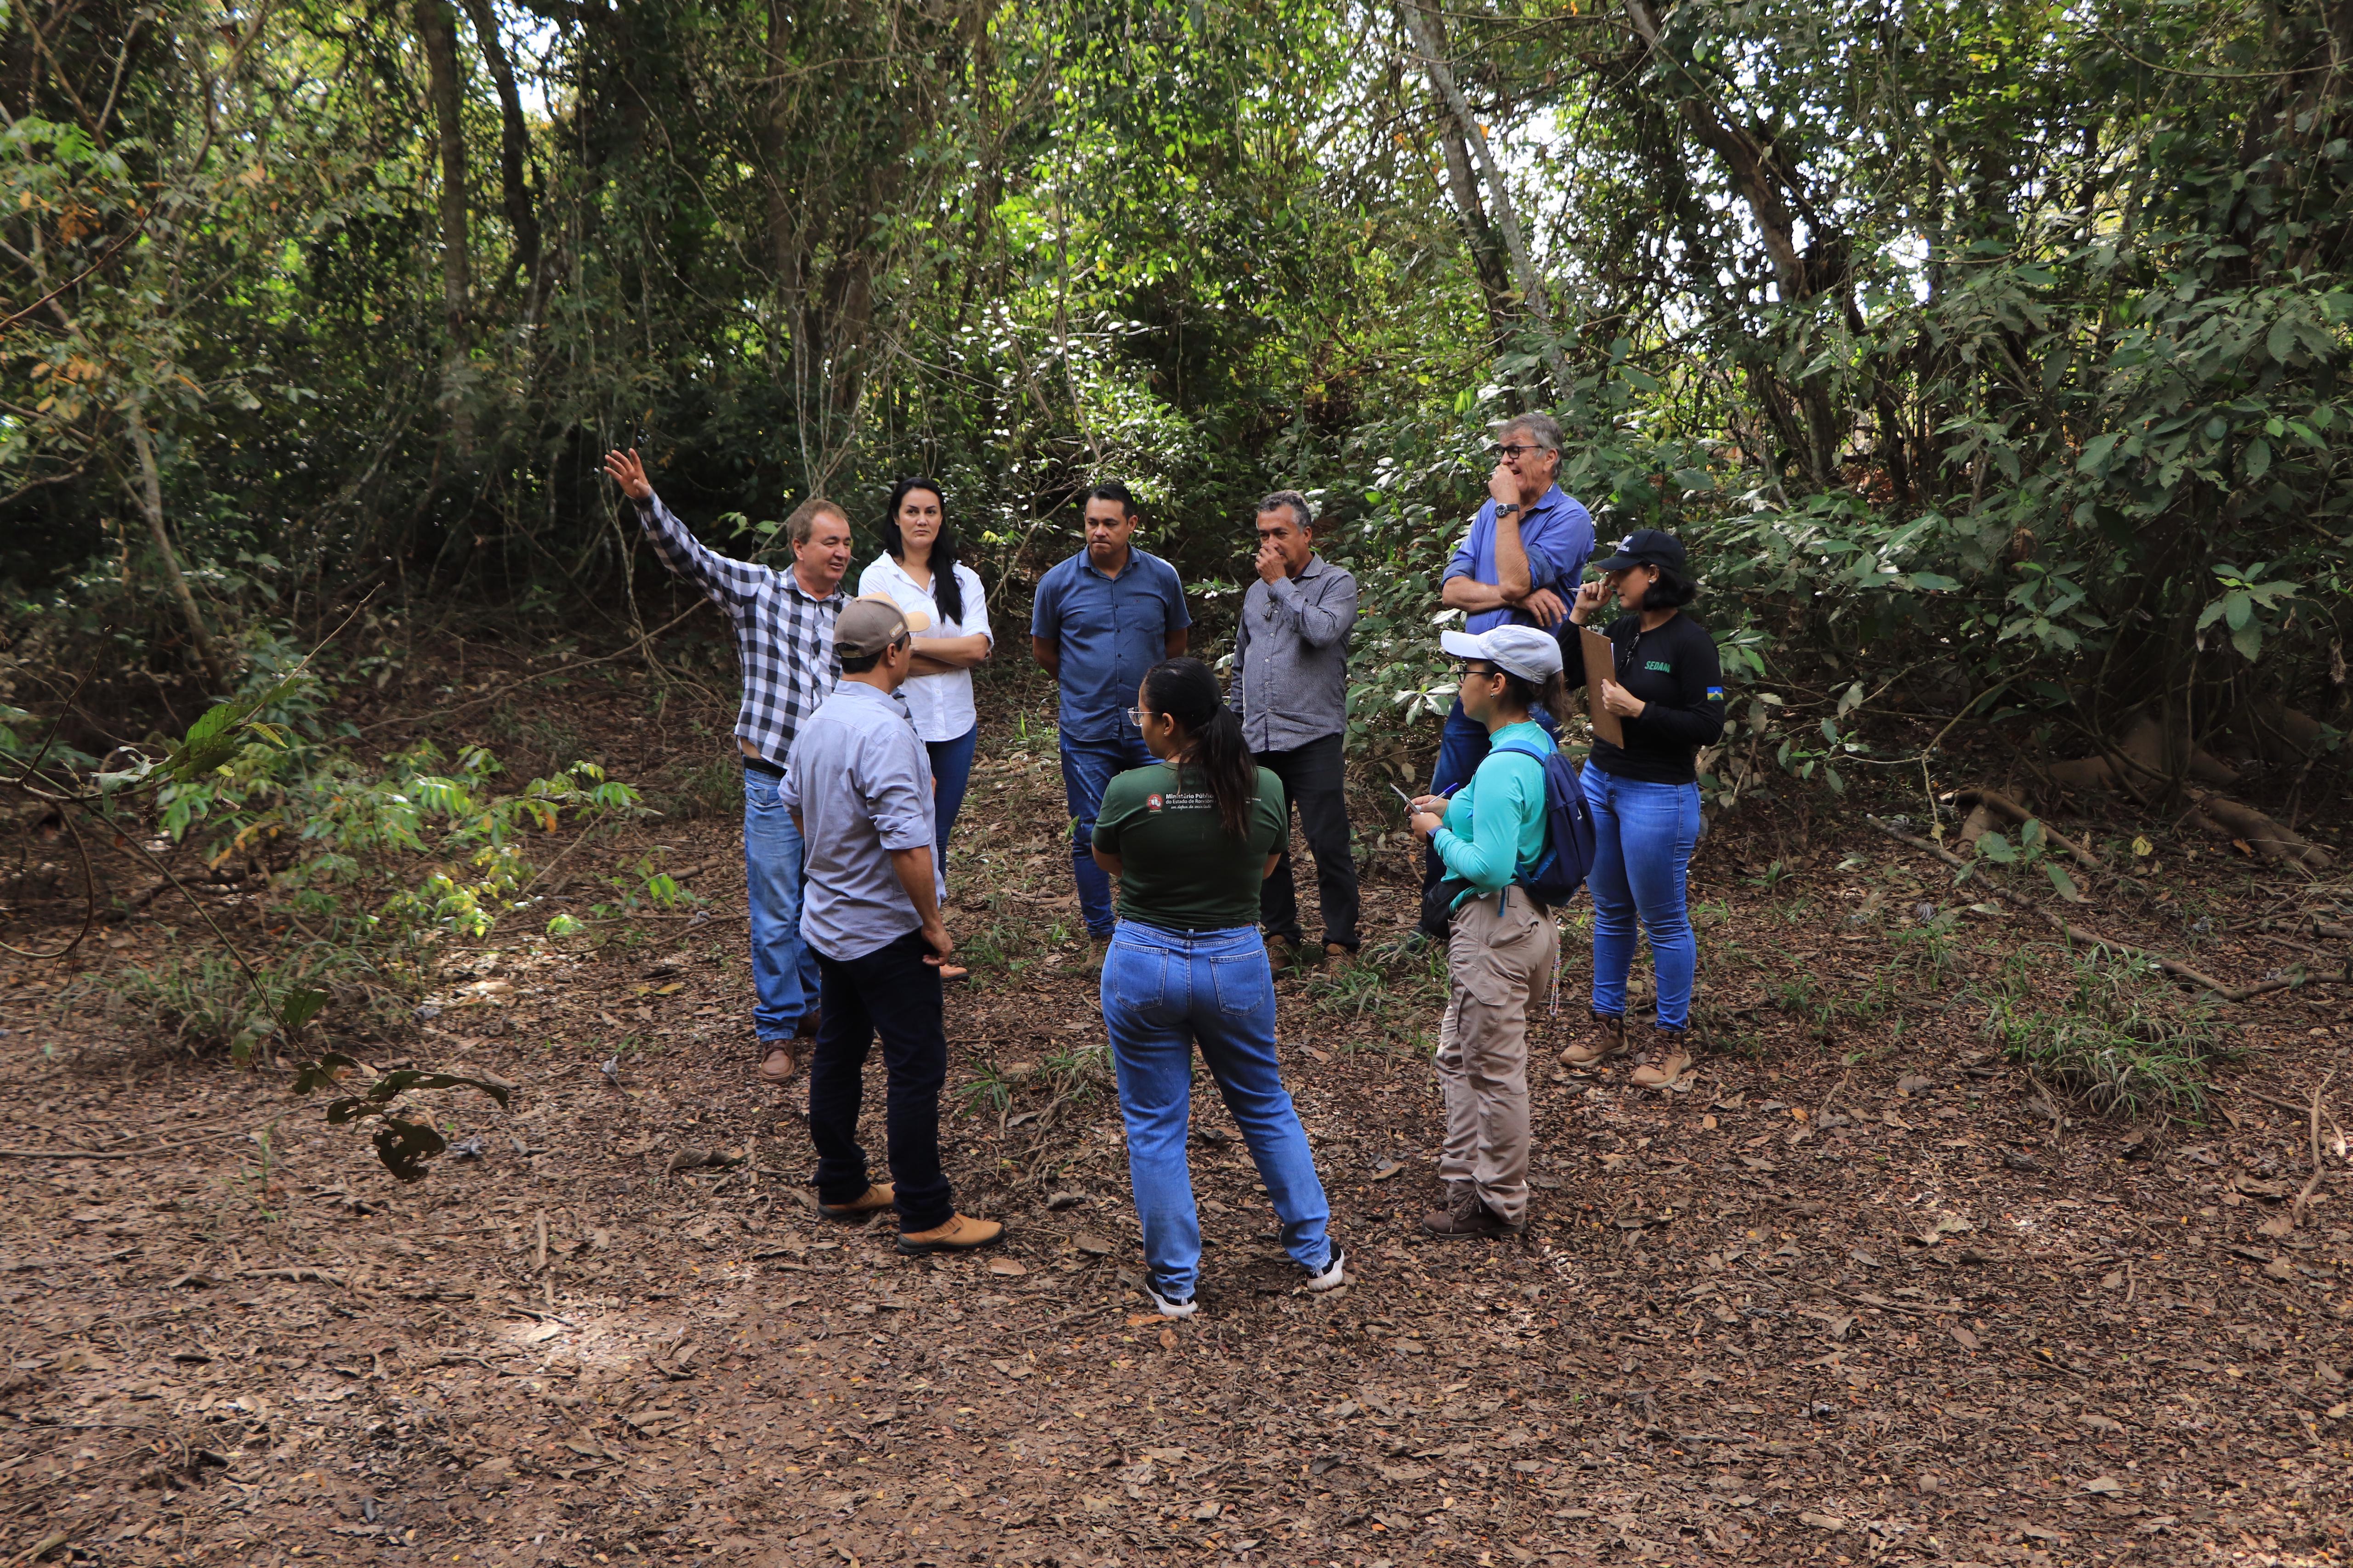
(858, 784)
(1290, 688)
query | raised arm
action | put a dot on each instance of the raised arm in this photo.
(731, 582)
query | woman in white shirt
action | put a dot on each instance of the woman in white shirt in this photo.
(947, 611)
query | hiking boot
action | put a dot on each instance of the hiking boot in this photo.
(1667, 1059)
(871, 1200)
(1333, 1274)
(962, 1233)
(1466, 1217)
(1608, 1040)
(1171, 1306)
(1281, 951)
(780, 1061)
(1339, 953)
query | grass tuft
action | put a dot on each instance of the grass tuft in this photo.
(2118, 1036)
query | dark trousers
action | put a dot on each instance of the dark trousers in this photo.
(1462, 745)
(1312, 781)
(890, 991)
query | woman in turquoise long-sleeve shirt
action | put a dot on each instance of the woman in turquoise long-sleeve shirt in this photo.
(1501, 945)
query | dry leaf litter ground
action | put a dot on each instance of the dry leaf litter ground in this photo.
(1859, 1294)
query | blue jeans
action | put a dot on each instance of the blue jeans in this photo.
(1642, 840)
(1087, 766)
(783, 970)
(1462, 745)
(893, 993)
(1163, 991)
(951, 772)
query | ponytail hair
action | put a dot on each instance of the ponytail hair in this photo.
(1672, 591)
(1185, 690)
(1551, 693)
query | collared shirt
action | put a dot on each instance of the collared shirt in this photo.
(862, 783)
(1110, 631)
(1291, 656)
(783, 634)
(942, 704)
(1558, 534)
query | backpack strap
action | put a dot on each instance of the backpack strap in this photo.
(1544, 802)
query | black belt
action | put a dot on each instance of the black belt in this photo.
(762, 767)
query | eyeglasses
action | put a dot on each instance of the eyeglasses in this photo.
(1514, 452)
(1136, 716)
(1464, 671)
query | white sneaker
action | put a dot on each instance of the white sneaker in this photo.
(1170, 1307)
(1333, 1275)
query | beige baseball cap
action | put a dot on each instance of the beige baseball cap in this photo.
(866, 628)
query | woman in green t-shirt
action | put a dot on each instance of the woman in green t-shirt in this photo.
(1190, 838)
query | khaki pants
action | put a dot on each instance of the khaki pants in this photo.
(1499, 954)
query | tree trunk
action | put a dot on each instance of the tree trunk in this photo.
(437, 32)
(1442, 77)
(1487, 260)
(514, 146)
(149, 493)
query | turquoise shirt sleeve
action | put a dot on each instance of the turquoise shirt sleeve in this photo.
(1488, 824)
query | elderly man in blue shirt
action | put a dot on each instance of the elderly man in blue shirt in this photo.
(1519, 564)
(1102, 619)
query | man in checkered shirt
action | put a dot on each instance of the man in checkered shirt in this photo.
(784, 643)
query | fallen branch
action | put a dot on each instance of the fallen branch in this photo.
(2001, 805)
(2319, 1172)
(2144, 751)
(2076, 934)
(115, 1153)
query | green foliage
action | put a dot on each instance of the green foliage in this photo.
(403, 1141)
(1983, 354)
(362, 874)
(2113, 1032)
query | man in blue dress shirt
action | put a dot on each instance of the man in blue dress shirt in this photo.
(1520, 564)
(1101, 620)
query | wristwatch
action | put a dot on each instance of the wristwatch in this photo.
(1501, 509)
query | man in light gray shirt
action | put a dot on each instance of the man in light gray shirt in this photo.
(1290, 688)
(858, 784)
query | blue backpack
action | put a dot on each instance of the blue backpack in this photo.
(1568, 855)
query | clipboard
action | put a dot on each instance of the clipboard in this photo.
(1601, 665)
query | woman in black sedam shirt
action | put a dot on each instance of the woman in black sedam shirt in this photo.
(1644, 796)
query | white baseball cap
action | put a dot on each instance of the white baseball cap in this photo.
(1530, 653)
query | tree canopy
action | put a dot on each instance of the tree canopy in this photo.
(1996, 351)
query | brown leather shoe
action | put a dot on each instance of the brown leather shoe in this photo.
(1467, 1218)
(875, 1198)
(780, 1061)
(807, 1028)
(962, 1233)
(1608, 1040)
(1338, 952)
(1666, 1060)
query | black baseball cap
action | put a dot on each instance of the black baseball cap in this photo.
(1647, 547)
